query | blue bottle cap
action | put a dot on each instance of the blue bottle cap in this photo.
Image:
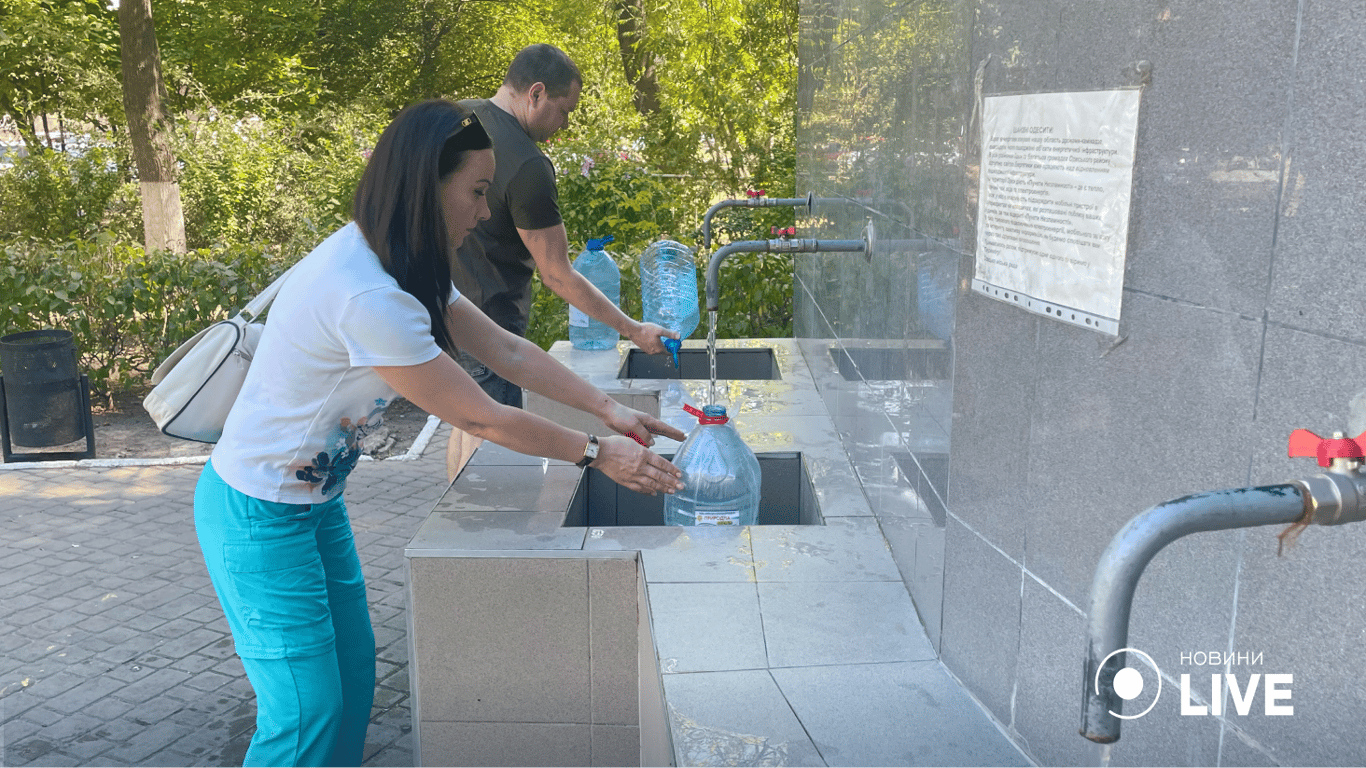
(597, 244)
(673, 345)
(714, 410)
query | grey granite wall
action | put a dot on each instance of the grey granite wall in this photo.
(1242, 320)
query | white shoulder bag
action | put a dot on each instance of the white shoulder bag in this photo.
(197, 385)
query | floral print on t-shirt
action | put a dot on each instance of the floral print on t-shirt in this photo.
(332, 470)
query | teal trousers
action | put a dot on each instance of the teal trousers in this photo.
(291, 586)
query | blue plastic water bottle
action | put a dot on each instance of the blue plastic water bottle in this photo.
(721, 476)
(668, 290)
(597, 265)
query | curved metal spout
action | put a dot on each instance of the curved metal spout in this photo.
(751, 202)
(770, 246)
(1117, 573)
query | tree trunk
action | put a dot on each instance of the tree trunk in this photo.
(144, 99)
(433, 25)
(636, 60)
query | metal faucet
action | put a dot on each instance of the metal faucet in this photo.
(1332, 498)
(755, 200)
(864, 246)
(869, 245)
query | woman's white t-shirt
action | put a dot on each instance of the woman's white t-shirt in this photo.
(312, 395)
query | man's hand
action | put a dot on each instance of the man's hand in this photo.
(646, 336)
(639, 426)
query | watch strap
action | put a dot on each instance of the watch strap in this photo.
(590, 452)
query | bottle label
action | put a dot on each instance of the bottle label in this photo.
(577, 317)
(718, 518)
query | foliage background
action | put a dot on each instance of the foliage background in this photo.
(277, 104)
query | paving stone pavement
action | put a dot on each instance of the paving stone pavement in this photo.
(113, 648)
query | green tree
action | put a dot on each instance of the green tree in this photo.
(149, 127)
(59, 60)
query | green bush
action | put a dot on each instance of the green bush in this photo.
(57, 196)
(283, 181)
(127, 309)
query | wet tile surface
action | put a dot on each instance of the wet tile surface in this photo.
(735, 718)
(893, 714)
(707, 627)
(847, 549)
(828, 623)
(677, 554)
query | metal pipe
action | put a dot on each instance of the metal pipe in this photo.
(867, 203)
(770, 246)
(1117, 574)
(751, 202)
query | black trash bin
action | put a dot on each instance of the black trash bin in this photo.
(44, 400)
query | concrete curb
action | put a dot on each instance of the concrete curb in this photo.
(415, 452)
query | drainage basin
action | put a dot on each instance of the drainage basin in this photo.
(693, 364)
(929, 361)
(785, 498)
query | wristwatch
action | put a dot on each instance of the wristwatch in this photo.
(590, 452)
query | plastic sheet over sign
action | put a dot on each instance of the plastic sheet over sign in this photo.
(1053, 205)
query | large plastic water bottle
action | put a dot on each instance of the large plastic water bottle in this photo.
(720, 475)
(668, 290)
(595, 264)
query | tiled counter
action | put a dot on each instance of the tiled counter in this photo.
(539, 644)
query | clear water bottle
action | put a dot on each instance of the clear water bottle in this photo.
(597, 265)
(668, 290)
(720, 475)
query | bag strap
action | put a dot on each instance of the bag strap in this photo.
(259, 304)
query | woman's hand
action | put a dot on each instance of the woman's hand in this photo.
(638, 426)
(635, 467)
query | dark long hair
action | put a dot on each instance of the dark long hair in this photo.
(398, 202)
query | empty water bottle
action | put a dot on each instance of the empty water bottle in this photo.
(720, 475)
(597, 265)
(668, 290)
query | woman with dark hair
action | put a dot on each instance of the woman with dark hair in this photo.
(370, 314)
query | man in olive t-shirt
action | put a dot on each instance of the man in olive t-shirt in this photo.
(525, 232)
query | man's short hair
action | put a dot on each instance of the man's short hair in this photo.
(542, 63)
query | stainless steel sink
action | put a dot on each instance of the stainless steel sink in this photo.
(785, 498)
(693, 364)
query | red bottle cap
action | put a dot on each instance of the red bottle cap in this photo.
(707, 418)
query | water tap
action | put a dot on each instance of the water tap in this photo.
(1338, 495)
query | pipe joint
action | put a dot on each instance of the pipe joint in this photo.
(791, 246)
(1335, 497)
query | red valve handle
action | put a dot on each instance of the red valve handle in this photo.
(1306, 443)
(703, 418)
(756, 193)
